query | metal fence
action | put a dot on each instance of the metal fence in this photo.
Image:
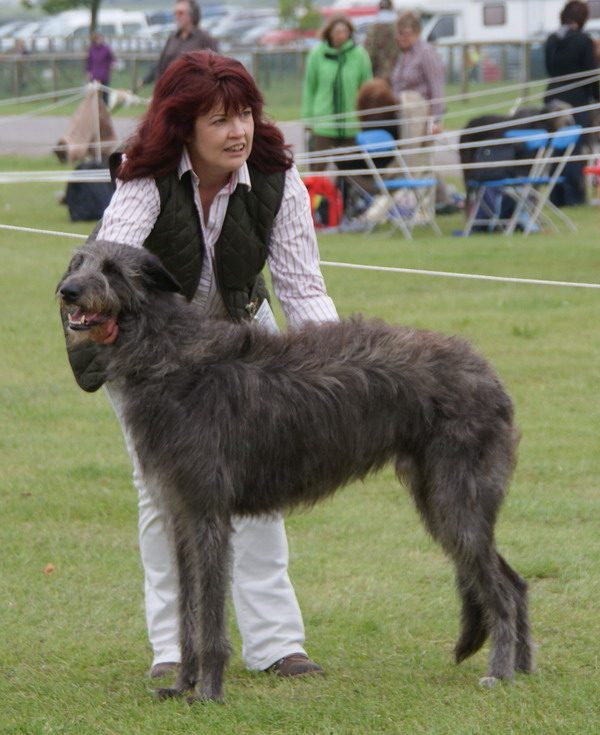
(278, 72)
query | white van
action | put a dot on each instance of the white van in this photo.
(71, 30)
(500, 21)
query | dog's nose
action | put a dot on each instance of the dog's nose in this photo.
(69, 292)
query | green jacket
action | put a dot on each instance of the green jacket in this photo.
(331, 82)
(176, 238)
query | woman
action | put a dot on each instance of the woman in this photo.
(569, 51)
(99, 63)
(210, 187)
(419, 68)
(335, 71)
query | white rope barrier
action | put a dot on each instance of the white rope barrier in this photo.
(418, 141)
(41, 96)
(378, 268)
(10, 119)
(574, 80)
(36, 231)
(27, 177)
(473, 276)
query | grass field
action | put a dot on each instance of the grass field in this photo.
(377, 595)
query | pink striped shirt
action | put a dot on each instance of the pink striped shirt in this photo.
(421, 70)
(293, 251)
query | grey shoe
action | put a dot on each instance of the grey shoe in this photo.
(296, 664)
(163, 669)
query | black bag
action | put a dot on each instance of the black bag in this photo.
(508, 152)
(87, 201)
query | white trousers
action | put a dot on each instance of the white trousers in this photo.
(266, 608)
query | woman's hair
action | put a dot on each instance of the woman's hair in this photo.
(193, 85)
(374, 94)
(575, 12)
(334, 19)
(409, 19)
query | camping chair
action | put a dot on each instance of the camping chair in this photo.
(491, 187)
(375, 143)
(561, 143)
(529, 193)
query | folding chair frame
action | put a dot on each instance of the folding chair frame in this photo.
(380, 141)
(530, 193)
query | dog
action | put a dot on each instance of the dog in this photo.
(230, 419)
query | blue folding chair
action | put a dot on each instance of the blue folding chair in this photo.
(377, 143)
(561, 145)
(489, 200)
(530, 193)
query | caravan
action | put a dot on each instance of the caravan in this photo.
(499, 21)
(477, 21)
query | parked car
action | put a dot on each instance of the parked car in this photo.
(70, 31)
(289, 37)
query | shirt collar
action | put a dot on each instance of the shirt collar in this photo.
(240, 176)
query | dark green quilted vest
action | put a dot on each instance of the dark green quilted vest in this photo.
(176, 238)
(242, 248)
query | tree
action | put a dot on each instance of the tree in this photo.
(57, 6)
(290, 18)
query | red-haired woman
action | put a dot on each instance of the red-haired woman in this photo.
(211, 188)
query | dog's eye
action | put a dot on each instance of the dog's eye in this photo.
(110, 267)
(76, 262)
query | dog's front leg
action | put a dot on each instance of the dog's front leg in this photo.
(213, 539)
(184, 537)
(213, 551)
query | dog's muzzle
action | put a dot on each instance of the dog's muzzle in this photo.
(79, 319)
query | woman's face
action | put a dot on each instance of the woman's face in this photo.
(407, 37)
(339, 34)
(220, 142)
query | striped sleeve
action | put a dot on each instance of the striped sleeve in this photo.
(433, 69)
(294, 259)
(132, 212)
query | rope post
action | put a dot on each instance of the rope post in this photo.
(527, 67)
(464, 73)
(97, 90)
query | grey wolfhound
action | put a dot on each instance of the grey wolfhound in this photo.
(230, 419)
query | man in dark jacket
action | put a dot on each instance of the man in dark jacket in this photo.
(187, 37)
(570, 51)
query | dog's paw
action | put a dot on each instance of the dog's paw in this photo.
(168, 692)
(489, 682)
(205, 699)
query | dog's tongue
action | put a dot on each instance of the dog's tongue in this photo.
(106, 333)
(103, 329)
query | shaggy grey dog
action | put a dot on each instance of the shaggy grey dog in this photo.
(229, 419)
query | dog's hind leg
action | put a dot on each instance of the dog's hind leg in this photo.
(497, 597)
(459, 504)
(475, 628)
(524, 659)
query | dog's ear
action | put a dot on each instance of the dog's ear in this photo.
(159, 276)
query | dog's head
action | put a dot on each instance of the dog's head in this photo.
(107, 282)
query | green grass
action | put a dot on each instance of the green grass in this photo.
(377, 595)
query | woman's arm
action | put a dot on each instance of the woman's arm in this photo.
(132, 212)
(294, 259)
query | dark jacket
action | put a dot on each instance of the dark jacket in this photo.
(569, 51)
(176, 238)
(177, 45)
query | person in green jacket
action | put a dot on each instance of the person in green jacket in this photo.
(335, 70)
